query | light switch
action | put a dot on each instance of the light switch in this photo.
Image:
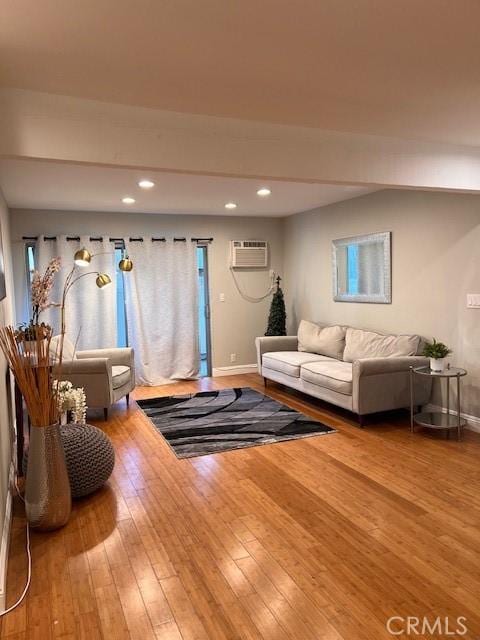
(473, 300)
(221, 297)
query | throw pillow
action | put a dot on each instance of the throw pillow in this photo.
(368, 344)
(326, 341)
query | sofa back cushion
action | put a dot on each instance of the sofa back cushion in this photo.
(367, 344)
(68, 349)
(327, 341)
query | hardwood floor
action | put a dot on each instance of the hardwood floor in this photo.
(325, 537)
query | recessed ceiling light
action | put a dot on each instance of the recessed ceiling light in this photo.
(146, 184)
(128, 200)
(230, 205)
(263, 192)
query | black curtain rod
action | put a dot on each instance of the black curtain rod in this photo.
(100, 239)
(159, 239)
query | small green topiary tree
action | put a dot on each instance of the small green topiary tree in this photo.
(277, 317)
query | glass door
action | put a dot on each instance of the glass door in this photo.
(203, 312)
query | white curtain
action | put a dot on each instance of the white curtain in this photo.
(91, 313)
(162, 310)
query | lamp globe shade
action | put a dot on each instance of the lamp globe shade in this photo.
(82, 257)
(125, 264)
(103, 280)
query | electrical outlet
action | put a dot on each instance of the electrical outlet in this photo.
(221, 297)
(233, 357)
(473, 300)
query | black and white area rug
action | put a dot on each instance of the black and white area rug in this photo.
(215, 421)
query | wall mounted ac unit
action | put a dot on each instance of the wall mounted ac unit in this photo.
(251, 254)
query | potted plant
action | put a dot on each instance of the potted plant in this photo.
(29, 333)
(437, 352)
(277, 317)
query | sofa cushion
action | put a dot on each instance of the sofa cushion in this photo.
(331, 374)
(327, 341)
(120, 375)
(289, 362)
(367, 344)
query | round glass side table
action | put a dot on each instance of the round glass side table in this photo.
(436, 419)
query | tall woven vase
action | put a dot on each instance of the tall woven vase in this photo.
(48, 500)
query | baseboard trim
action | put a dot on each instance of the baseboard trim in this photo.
(5, 542)
(473, 422)
(234, 370)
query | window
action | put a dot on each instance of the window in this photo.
(352, 268)
(122, 336)
(203, 312)
(122, 332)
(30, 264)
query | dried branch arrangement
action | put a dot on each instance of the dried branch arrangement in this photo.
(32, 367)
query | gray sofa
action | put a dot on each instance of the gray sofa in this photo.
(362, 371)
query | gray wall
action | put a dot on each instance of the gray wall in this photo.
(6, 317)
(436, 262)
(235, 322)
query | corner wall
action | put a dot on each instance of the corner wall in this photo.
(6, 405)
(435, 263)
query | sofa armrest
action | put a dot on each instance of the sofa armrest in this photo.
(382, 384)
(374, 366)
(94, 375)
(84, 366)
(117, 355)
(265, 344)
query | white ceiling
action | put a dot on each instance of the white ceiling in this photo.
(34, 184)
(405, 68)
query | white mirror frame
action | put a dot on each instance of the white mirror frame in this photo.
(381, 298)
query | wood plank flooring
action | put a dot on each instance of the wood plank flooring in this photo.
(320, 538)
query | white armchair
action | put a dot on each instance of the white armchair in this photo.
(107, 375)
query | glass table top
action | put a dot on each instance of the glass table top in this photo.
(451, 372)
(437, 420)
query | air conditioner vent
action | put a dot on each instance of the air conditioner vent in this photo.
(251, 254)
(254, 243)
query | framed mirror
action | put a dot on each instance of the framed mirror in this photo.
(362, 270)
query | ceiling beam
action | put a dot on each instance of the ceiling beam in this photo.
(61, 128)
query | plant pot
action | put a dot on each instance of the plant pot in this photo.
(48, 500)
(30, 345)
(437, 364)
(30, 338)
(30, 348)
